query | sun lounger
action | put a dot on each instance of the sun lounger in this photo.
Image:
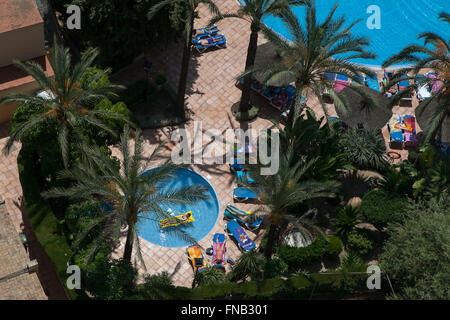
(437, 84)
(243, 177)
(330, 76)
(217, 40)
(410, 123)
(243, 194)
(219, 250)
(422, 87)
(372, 84)
(207, 31)
(341, 82)
(238, 233)
(196, 258)
(282, 100)
(238, 212)
(271, 92)
(411, 139)
(395, 129)
(250, 225)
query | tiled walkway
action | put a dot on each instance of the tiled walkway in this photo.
(210, 94)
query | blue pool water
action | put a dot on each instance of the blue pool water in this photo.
(205, 213)
(401, 22)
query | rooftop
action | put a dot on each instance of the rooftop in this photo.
(13, 259)
(16, 14)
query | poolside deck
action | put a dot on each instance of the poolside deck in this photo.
(210, 95)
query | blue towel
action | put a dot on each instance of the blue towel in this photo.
(373, 84)
(396, 136)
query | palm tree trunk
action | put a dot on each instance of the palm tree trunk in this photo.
(251, 56)
(184, 75)
(295, 113)
(129, 244)
(271, 240)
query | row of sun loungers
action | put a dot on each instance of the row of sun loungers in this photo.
(402, 131)
(205, 38)
(281, 98)
(234, 229)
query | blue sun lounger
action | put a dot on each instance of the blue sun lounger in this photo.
(243, 194)
(251, 226)
(207, 31)
(217, 40)
(373, 84)
(243, 177)
(238, 233)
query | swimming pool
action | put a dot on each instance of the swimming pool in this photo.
(401, 22)
(205, 213)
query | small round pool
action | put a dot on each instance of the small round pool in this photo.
(401, 22)
(205, 212)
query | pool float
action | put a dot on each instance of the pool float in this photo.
(182, 218)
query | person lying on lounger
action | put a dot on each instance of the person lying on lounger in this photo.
(220, 247)
(202, 31)
(210, 40)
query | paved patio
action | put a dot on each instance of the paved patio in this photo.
(211, 93)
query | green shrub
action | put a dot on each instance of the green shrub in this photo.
(93, 79)
(345, 220)
(110, 280)
(364, 148)
(211, 275)
(44, 222)
(334, 247)
(297, 258)
(274, 268)
(380, 208)
(359, 242)
(250, 115)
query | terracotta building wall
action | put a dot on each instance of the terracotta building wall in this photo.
(22, 44)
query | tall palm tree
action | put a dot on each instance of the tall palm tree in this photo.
(132, 196)
(312, 50)
(254, 11)
(418, 57)
(283, 190)
(69, 101)
(190, 12)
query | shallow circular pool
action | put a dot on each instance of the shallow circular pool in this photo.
(401, 22)
(205, 212)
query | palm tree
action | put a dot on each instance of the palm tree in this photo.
(70, 100)
(418, 57)
(254, 11)
(283, 190)
(345, 220)
(310, 52)
(190, 7)
(249, 264)
(132, 196)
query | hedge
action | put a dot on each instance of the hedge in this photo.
(380, 208)
(334, 247)
(331, 286)
(359, 242)
(297, 258)
(46, 226)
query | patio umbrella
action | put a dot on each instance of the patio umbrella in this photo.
(371, 117)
